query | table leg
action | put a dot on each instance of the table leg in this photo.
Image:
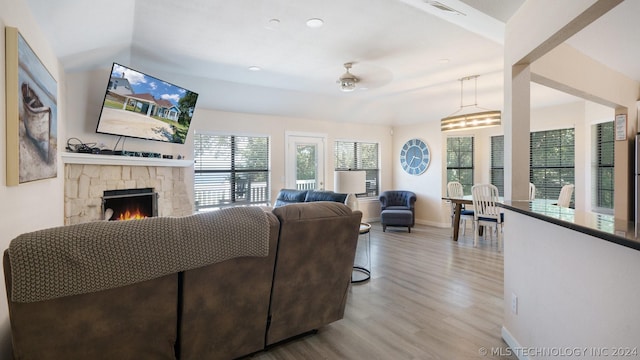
(456, 221)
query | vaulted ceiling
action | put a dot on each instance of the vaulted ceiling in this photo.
(408, 54)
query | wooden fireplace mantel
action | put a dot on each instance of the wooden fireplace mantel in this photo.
(94, 159)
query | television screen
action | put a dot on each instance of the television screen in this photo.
(141, 106)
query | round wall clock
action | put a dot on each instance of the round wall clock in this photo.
(415, 157)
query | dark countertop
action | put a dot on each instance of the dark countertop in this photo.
(602, 226)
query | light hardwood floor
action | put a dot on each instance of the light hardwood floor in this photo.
(428, 298)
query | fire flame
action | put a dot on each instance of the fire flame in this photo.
(131, 215)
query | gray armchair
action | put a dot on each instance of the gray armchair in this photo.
(397, 208)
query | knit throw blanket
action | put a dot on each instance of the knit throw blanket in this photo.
(95, 256)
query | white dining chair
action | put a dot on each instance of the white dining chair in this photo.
(532, 191)
(564, 199)
(455, 189)
(486, 211)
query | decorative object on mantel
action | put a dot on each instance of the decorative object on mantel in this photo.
(31, 111)
(470, 120)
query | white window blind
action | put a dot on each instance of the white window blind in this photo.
(230, 171)
(351, 155)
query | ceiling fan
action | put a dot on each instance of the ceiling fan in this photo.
(347, 81)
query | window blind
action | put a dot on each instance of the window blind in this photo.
(230, 171)
(460, 161)
(497, 163)
(551, 155)
(359, 156)
(605, 141)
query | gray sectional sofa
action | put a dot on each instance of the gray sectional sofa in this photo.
(216, 285)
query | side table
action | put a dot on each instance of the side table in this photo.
(362, 262)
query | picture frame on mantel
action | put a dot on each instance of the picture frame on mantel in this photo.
(31, 112)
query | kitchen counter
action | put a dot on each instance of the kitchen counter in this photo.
(602, 226)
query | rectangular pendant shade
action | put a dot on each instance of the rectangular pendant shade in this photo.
(471, 121)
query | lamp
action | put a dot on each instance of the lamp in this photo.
(470, 120)
(351, 182)
(347, 81)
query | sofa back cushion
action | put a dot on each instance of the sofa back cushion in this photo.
(317, 195)
(225, 305)
(122, 323)
(313, 268)
(290, 196)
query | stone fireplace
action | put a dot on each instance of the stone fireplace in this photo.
(88, 176)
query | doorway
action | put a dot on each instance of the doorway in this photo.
(305, 162)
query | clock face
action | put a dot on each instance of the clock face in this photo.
(415, 157)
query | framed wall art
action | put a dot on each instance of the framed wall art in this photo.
(621, 127)
(31, 105)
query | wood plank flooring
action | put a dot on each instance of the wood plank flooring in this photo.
(428, 298)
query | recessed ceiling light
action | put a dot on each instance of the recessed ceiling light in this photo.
(273, 24)
(315, 22)
(254, 68)
(443, 61)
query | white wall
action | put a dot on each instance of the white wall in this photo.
(35, 205)
(428, 185)
(573, 290)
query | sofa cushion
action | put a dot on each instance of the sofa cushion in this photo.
(313, 268)
(315, 195)
(290, 196)
(95, 256)
(129, 323)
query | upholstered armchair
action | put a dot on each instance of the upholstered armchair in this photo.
(397, 209)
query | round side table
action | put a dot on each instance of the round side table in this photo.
(362, 262)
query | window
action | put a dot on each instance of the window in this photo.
(604, 165)
(230, 171)
(360, 156)
(551, 155)
(497, 163)
(460, 161)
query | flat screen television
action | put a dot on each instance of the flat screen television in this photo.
(141, 106)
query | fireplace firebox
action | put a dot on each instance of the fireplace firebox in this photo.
(128, 204)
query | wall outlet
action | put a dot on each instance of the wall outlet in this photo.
(514, 304)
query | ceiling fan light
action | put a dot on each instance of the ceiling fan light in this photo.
(347, 81)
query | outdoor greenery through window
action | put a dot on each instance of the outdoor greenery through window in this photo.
(604, 185)
(230, 171)
(551, 155)
(497, 163)
(460, 161)
(360, 156)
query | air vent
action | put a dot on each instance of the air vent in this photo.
(440, 6)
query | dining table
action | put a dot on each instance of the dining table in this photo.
(458, 202)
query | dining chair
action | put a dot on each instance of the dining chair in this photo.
(486, 211)
(532, 191)
(564, 199)
(455, 189)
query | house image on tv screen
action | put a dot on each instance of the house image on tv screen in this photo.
(120, 91)
(138, 105)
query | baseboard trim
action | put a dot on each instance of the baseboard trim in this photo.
(513, 344)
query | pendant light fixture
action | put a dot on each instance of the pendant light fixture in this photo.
(462, 119)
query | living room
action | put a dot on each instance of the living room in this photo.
(81, 92)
